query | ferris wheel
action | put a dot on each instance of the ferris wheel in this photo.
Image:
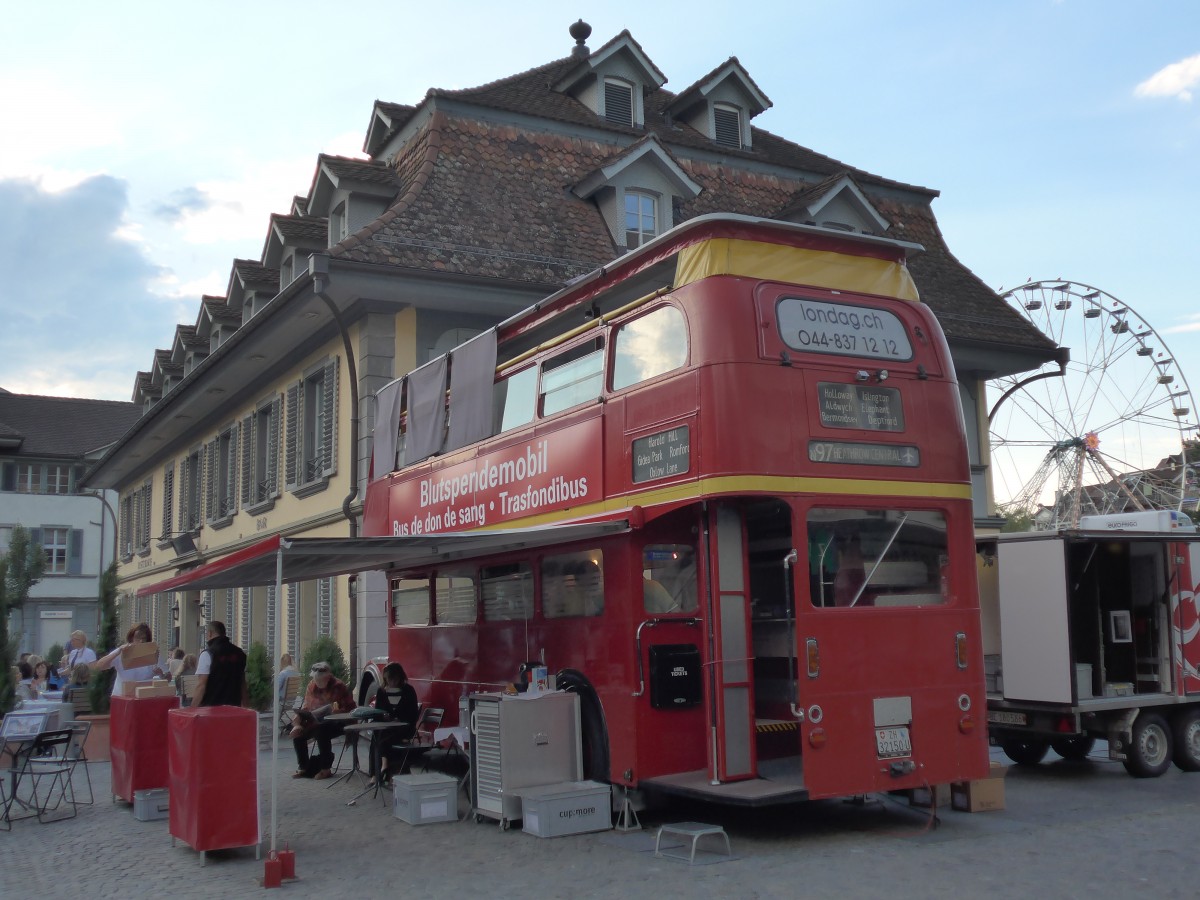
(1106, 432)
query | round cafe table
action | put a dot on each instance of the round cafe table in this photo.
(375, 732)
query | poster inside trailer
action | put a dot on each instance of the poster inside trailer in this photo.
(546, 473)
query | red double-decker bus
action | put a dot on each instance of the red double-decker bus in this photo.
(767, 590)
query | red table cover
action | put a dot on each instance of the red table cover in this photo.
(213, 753)
(138, 743)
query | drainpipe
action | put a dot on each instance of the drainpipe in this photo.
(99, 495)
(318, 267)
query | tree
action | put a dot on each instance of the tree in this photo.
(259, 677)
(100, 685)
(326, 649)
(20, 569)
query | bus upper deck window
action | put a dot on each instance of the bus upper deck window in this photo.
(515, 400)
(572, 377)
(649, 345)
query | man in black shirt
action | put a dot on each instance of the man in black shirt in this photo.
(221, 670)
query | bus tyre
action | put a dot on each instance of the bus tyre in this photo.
(1187, 740)
(1149, 747)
(1025, 751)
(1075, 747)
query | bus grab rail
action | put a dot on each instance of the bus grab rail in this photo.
(691, 620)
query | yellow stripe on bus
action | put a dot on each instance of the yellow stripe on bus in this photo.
(743, 484)
(794, 265)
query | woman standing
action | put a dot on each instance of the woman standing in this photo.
(139, 634)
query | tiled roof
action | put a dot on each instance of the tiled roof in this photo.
(369, 171)
(302, 229)
(220, 311)
(187, 336)
(255, 274)
(64, 427)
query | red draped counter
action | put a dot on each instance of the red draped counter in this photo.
(138, 744)
(213, 756)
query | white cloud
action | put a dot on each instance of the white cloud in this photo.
(1175, 80)
(1189, 325)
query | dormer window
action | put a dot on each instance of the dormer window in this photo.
(337, 224)
(727, 125)
(618, 101)
(641, 219)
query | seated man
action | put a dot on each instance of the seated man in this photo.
(325, 695)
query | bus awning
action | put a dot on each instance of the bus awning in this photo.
(304, 559)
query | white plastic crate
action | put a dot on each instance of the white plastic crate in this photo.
(151, 804)
(425, 798)
(572, 807)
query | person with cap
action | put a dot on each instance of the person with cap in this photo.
(325, 695)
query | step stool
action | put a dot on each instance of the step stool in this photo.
(693, 830)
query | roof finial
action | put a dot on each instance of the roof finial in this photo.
(580, 31)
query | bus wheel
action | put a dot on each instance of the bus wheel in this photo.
(1150, 748)
(1187, 740)
(1025, 751)
(591, 719)
(1075, 747)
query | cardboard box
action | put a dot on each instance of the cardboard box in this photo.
(937, 796)
(140, 655)
(425, 798)
(155, 689)
(130, 688)
(573, 807)
(151, 804)
(982, 795)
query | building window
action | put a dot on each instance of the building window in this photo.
(260, 456)
(221, 463)
(311, 442)
(727, 125)
(190, 476)
(135, 520)
(618, 102)
(338, 224)
(54, 545)
(641, 219)
(326, 607)
(28, 478)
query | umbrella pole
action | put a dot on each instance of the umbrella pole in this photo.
(279, 632)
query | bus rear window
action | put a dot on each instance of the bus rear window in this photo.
(842, 329)
(870, 557)
(410, 601)
(573, 585)
(507, 592)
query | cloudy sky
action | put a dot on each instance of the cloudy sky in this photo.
(144, 144)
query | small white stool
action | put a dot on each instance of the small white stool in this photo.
(694, 830)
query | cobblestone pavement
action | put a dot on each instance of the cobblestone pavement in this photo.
(1070, 830)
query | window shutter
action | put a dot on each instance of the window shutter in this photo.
(35, 536)
(144, 521)
(209, 484)
(329, 400)
(75, 552)
(618, 103)
(8, 477)
(249, 433)
(727, 127)
(292, 456)
(271, 476)
(230, 500)
(168, 497)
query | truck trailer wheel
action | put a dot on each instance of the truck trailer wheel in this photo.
(1075, 747)
(1187, 740)
(1025, 751)
(1150, 747)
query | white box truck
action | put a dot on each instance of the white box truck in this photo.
(1093, 633)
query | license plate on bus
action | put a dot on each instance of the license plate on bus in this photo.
(1000, 717)
(892, 742)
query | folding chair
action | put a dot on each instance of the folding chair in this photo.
(289, 704)
(76, 755)
(47, 759)
(422, 740)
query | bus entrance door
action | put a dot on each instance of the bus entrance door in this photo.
(728, 617)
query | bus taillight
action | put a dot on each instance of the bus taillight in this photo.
(966, 724)
(814, 658)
